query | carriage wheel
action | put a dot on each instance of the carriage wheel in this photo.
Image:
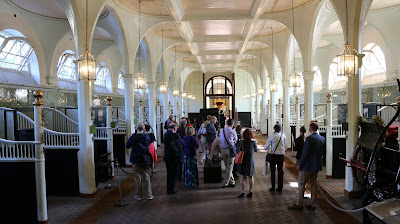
(358, 174)
(370, 196)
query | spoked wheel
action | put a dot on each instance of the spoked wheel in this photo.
(357, 171)
(371, 196)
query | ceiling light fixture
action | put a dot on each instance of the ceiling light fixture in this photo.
(294, 78)
(86, 62)
(140, 78)
(348, 59)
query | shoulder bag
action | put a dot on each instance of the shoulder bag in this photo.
(270, 156)
(232, 148)
(239, 156)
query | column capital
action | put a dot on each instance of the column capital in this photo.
(297, 100)
(158, 103)
(328, 96)
(279, 101)
(309, 76)
(285, 83)
(140, 102)
(127, 75)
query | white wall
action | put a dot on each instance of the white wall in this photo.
(194, 85)
(243, 83)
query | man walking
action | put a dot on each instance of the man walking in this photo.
(211, 132)
(309, 165)
(228, 138)
(173, 155)
(139, 142)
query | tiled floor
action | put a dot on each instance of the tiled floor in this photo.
(208, 203)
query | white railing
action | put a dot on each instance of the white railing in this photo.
(17, 151)
(322, 129)
(337, 131)
(101, 133)
(53, 139)
(57, 121)
(386, 113)
(119, 130)
(23, 121)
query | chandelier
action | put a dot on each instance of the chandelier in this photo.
(260, 91)
(294, 78)
(175, 91)
(163, 88)
(140, 77)
(348, 58)
(273, 87)
(86, 62)
(184, 95)
(253, 94)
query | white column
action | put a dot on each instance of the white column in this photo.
(264, 126)
(329, 142)
(353, 109)
(129, 98)
(141, 111)
(153, 108)
(297, 117)
(182, 107)
(110, 136)
(41, 200)
(176, 109)
(286, 113)
(279, 115)
(257, 109)
(87, 184)
(308, 97)
(159, 123)
(272, 113)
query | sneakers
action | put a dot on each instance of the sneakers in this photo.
(241, 195)
(137, 198)
(150, 197)
(295, 207)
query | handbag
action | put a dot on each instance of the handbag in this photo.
(270, 156)
(239, 156)
(232, 149)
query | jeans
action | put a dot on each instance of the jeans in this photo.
(304, 176)
(277, 162)
(142, 180)
(171, 177)
(229, 162)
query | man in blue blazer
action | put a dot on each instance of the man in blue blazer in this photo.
(309, 165)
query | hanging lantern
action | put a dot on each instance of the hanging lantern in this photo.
(184, 95)
(86, 66)
(273, 87)
(175, 91)
(189, 96)
(253, 94)
(193, 97)
(347, 62)
(294, 79)
(260, 91)
(163, 88)
(140, 80)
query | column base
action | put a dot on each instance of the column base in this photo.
(352, 194)
(42, 222)
(88, 195)
(328, 176)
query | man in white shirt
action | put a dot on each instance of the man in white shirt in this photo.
(276, 145)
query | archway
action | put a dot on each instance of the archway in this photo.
(219, 93)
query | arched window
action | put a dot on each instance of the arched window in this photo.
(66, 66)
(218, 86)
(317, 76)
(102, 72)
(121, 84)
(14, 53)
(374, 60)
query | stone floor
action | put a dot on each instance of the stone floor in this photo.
(208, 203)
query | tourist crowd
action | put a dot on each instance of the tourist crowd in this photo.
(183, 146)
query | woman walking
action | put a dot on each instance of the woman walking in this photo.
(247, 168)
(191, 171)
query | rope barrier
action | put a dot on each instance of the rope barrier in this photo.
(338, 208)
